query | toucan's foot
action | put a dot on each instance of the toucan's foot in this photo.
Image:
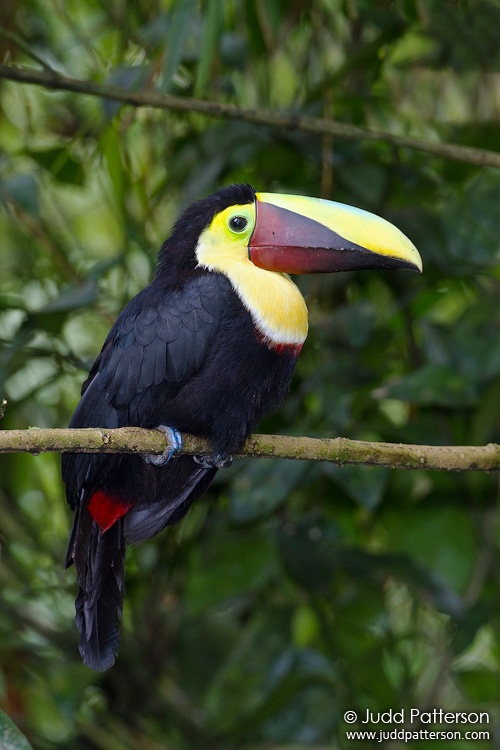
(174, 441)
(215, 461)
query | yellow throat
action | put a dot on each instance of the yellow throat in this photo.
(276, 305)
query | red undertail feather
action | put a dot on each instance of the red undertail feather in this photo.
(106, 509)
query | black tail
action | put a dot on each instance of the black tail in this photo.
(99, 559)
(163, 496)
(170, 492)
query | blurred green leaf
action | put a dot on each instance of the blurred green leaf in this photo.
(110, 148)
(354, 322)
(291, 680)
(376, 568)
(433, 385)
(309, 549)
(480, 685)
(212, 28)
(476, 45)
(472, 619)
(61, 164)
(470, 221)
(10, 736)
(180, 23)
(262, 486)
(439, 537)
(22, 189)
(70, 298)
(231, 570)
(365, 485)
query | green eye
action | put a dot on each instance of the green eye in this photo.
(238, 223)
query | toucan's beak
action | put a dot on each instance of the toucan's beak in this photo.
(295, 234)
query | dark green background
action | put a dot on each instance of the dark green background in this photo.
(293, 592)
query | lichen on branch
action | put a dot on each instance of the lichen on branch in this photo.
(337, 450)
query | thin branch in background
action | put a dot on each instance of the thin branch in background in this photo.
(271, 118)
(10, 36)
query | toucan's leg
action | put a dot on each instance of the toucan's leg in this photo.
(214, 461)
(174, 441)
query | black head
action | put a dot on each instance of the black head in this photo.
(176, 258)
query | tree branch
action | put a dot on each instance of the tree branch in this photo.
(271, 118)
(336, 450)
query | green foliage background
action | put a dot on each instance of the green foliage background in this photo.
(292, 592)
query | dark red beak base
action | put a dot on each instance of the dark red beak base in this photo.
(288, 242)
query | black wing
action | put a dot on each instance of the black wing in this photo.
(159, 341)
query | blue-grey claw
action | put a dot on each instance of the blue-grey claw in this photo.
(215, 461)
(174, 441)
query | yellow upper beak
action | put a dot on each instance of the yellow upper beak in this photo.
(296, 234)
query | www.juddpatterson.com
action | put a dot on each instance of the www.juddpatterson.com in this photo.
(413, 720)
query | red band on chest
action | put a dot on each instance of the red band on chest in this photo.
(293, 349)
(106, 509)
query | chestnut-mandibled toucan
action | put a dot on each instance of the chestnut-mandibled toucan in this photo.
(207, 348)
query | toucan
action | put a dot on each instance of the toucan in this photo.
(207, 348)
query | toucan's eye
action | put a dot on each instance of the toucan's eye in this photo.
(238, 223)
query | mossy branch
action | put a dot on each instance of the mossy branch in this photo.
(271, 118)
(336, 450)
